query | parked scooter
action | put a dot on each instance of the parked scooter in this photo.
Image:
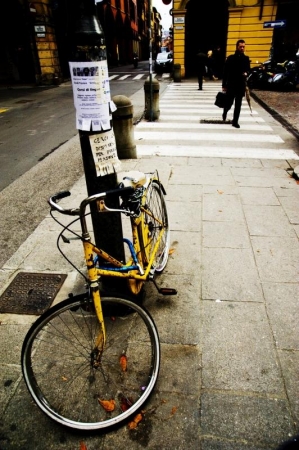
(135, 60)
(288, 80)
(261, 76)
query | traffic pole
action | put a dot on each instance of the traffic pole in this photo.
(94, 107)
(150, 60)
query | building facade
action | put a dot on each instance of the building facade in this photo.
(226, 21)
(37, 37)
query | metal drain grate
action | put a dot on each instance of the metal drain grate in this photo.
(31, 293)
(220, 121)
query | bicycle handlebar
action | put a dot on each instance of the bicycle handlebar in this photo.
(125, 191)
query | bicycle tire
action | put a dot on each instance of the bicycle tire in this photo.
(149, 229)
(58, 370)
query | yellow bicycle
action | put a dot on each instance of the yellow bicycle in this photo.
(91, 361)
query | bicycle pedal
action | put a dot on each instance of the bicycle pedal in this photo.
(167, 291)
(164, 291)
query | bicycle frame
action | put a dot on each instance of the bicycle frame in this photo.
(132, 270)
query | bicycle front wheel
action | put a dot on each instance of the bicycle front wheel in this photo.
(62, 376)
(154, 219)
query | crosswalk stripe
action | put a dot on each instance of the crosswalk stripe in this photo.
(220, 152)
(191, 125)
(184, 136)
(199, 126)
(124, 77)
(112, 77)
(191, 117)
(138, 77)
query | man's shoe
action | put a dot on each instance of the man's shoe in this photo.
(224, 116)
(199, 89)
(236, 125)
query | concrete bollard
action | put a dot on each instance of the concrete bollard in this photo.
(177, 73)
(155, 99)
(123, 127)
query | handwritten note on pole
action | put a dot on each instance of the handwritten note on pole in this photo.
(104, 152)
(92, 98)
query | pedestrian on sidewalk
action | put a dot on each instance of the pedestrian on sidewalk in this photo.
(236, 69)
(201, 63)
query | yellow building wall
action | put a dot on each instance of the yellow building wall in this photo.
(179, 12)
(46, 46)
(246, 21)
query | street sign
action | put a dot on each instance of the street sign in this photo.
(276, 24)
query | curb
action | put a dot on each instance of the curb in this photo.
(276, 115)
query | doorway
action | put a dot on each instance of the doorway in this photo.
(206, 29)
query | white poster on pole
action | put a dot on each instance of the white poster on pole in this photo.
(92, 98)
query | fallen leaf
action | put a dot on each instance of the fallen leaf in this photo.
(108, 405)
(82, 446)
(64, 378)
(134, 423)
(220, 192)
(123, 363)
(171, 251)
(174, 410)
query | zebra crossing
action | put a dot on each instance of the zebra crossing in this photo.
(133, 77)
(191, 125)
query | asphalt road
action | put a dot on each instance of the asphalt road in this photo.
(36, 121)
(40, 153)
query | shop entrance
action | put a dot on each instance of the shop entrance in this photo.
(206, 29)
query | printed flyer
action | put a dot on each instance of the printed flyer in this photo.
(92, 99)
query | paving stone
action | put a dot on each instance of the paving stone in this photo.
(235, 335)
(202, 175)
(290, 363)
(283, 310)
(285, 183)
(290, 205)
(258, 421)
(225, 234)
(241, 162)
(267, 221)
(230, 274)
(277, 258)
(273, 172)
(258, 196)
(180, 370)
(183, 308)
(171, 421)
(222, 207)
(185, 253)
(184, 193)
(182, 217)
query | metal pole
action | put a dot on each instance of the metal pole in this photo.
(150, 58)
(89, 45)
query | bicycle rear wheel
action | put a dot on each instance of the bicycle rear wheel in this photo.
(59, 369)
(154, 218)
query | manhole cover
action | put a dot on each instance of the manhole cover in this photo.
(31, 293)
(227, 122)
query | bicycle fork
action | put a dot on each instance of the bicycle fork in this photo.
(100, 341)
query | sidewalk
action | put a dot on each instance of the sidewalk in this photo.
(230, 339)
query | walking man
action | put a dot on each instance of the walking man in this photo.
(201, 62)
(236, 69)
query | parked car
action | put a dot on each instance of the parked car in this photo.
(164, 62)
